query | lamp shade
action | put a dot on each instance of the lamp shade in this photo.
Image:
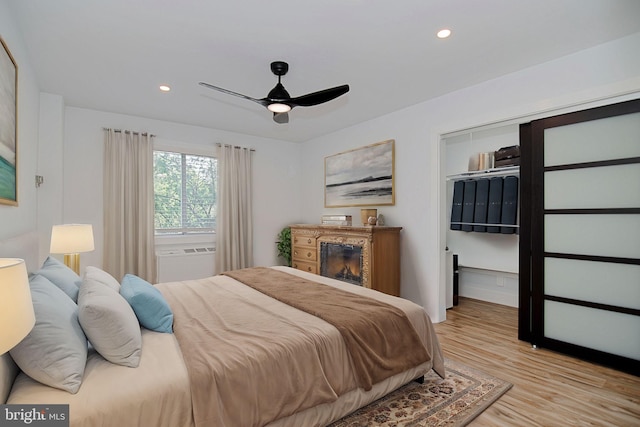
(71, 238)
(16, 308)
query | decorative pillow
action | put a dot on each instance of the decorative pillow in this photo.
(101, 276)
(147, 302)
(61, 276)
(109, 323)
(55, 351)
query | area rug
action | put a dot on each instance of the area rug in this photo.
(454, 401)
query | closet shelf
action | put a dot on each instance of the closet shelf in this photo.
(504, 171)
(484, 224)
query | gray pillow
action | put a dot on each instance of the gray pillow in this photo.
(101, 276)
(110, 323)
(55, 351)
(61, 276)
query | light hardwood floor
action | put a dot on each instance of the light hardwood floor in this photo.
(549, 389)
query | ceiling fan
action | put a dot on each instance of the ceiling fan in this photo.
(280, 102)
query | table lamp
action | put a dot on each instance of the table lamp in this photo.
(16, 307)
(71, 240)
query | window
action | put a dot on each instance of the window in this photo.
(185, 192)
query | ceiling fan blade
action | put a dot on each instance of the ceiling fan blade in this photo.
(281, 118)
(319, 97)
(228, 92)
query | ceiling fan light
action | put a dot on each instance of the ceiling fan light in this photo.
(278, 107)
(444, 33)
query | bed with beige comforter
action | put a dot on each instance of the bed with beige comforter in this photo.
(242, 357)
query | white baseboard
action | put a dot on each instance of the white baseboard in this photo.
(488, 285)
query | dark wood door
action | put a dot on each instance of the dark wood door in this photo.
(580, 234)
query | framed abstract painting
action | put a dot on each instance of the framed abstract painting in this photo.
(8, 127)
(361, 177)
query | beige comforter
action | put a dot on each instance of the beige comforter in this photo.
(378, 336)
(253, 359)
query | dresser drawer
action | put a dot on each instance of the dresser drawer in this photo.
(304, 254)
(304, 241)
(305, 266)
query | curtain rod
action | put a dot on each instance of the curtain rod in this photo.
(234, 146)
(130, 131)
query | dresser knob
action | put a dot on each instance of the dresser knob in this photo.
(309, 269)
(309, 254)
(309, 241)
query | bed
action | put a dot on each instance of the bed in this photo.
(256, 361)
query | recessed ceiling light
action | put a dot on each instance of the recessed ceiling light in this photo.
(165, 88)
(444, 33)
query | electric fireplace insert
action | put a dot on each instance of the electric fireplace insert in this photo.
(341, 261)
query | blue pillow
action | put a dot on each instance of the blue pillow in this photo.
(55, 351)
(151, 308)
(61, 276)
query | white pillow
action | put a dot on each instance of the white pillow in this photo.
(55, 351)
(110, 323)
(101, 276)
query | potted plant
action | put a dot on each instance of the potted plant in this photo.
(284, 245)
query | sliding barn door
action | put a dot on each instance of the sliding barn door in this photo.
(580, 234)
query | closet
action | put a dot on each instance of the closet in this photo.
(486, 249)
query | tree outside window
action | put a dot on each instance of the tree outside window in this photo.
(185, 193)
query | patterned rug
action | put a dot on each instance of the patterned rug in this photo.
(454, 401)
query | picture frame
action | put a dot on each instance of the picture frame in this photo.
(363, 176)
(8, 127)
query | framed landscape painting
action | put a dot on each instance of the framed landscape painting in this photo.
(8, 127)
(360, 177)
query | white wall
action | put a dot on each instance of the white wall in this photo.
(594, 74)
(17, 220)
(276, 174)
(50, 167)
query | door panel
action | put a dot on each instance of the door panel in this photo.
(599, 187)
(595, 140)
(600, 282)
(591, 234)
(592, 328)
(580, 239)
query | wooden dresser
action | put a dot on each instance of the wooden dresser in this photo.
(366, 256)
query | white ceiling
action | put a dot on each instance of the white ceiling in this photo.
(112, 55)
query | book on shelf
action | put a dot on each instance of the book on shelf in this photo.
(331, 222)
(337, 217)
(336, 220)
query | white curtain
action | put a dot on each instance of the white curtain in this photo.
(234, 247)
(128, 204)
